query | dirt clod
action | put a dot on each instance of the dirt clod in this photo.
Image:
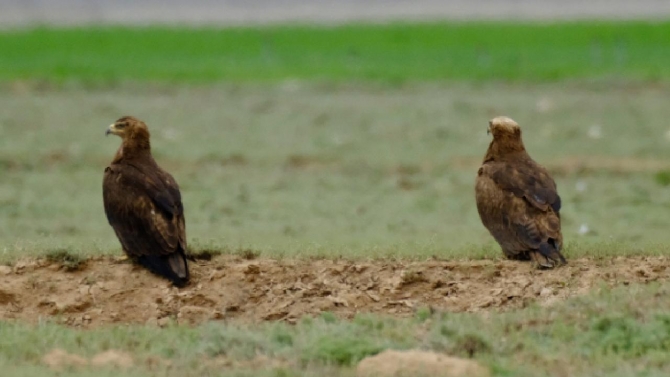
(6, 297)
(58, 359)
(114, 358)
(418, 363)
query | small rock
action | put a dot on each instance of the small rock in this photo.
(339, 301)
(252, 269)
(546, 292)
(373, 296)
(418, 363)
(643, 272)
(5, 270)
(71, 305)
(162, 322)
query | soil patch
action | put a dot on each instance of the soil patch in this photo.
(231, 288)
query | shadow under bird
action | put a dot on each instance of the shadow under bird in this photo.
(143, 204)
(517, 199)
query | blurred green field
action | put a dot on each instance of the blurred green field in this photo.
(579, 337)
(390, 53)
(292, 170)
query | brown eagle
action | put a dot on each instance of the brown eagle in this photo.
(517, 199)
(143, 204)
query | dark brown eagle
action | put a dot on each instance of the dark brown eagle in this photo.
(517, 199)
(143, 204)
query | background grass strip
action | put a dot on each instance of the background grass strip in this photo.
(386, 53)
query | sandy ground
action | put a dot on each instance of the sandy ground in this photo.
(236, 12)
(232, 288)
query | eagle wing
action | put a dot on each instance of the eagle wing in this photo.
(518, 203)
(144, 209)
(525, 179)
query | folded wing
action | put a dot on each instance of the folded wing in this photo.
(144, 208)
(518, 203)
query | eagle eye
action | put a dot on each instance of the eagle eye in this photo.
(121, 125)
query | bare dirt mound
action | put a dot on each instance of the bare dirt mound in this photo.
(105, 290)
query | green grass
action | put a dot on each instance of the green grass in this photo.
(390, 53)
(617, 333)
(68, 261)
(336, 171)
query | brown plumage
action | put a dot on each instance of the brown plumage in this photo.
(143, 204)
(517, 199)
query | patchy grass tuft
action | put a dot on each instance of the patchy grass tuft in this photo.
(341, 350)
(204, 254)
(68, 261)
(663, 178)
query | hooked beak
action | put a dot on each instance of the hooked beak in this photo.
(488, 131)
(109, 130)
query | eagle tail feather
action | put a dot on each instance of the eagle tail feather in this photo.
(172, 266)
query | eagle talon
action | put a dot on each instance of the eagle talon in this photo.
(121, 259)
(543, 262)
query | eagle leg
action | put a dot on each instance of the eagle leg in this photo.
(522, 256)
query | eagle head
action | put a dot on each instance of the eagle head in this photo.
(127, 127)
(504, 127)
(134, 135)
(506, 138)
